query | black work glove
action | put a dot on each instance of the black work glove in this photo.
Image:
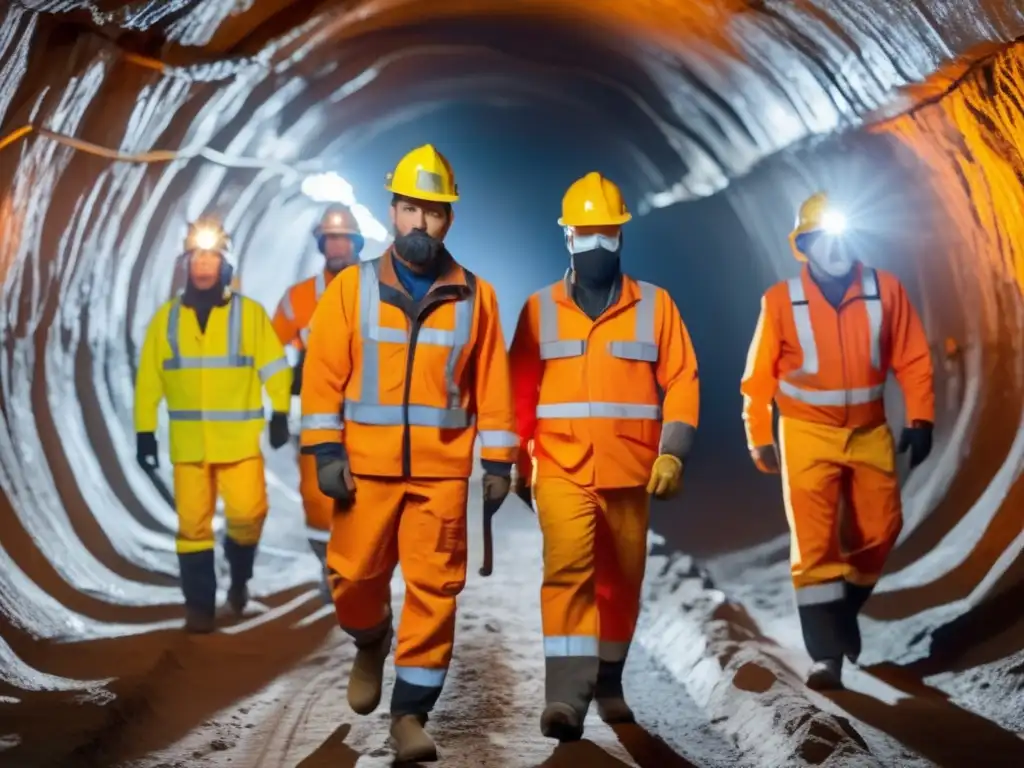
(279, 433)
(496, 487)
(297, 374)
(145, 450)
(918, 440)
(524, 492)
(335, 479)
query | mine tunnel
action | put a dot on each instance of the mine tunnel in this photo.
(122, 122)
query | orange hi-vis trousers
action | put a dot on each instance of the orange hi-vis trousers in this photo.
(833, 575)
(420, 524)
(319, 508)
(595, 555)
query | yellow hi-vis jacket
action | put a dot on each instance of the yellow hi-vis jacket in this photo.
(212, 380)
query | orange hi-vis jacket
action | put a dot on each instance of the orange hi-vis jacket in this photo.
(295, 310)
(587, 391)
(829, 366)
(407, 387)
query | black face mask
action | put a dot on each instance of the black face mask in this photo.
(418, 248)
(596, 268)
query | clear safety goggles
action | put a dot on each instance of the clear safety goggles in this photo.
(578, 243)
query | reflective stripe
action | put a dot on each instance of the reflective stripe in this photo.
(873, 305)
(368, 410)
(818, 594)
(558, 350)
(215, 415)
(322, 421)
(428, 181)
(304, 336)
(316, 534)
(285, 307)
(598, 411)
(423, 677)
(643, 347)
(419, 415)
(804, 329)
(836, 397)
(498, 438)
(613, 650)
(320, 284)
(270, 369)
(570, 645)
(233, 359)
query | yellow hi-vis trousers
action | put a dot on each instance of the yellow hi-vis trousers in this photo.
(243, 487)
(595, 554)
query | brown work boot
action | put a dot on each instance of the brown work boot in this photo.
(366, 679)
(562, 722)
(615, 711)
(411, 743)
(198, 622)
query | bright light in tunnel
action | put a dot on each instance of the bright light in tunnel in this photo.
(331, 188)
(834, 222)
(328, 188)
(206, 239)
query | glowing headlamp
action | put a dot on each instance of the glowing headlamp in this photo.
(833, 222)
(206, 239)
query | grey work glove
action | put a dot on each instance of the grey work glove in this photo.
(496, 487)
(766, 459)
(335, 480)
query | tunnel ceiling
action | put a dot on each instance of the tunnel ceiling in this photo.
(724, 82)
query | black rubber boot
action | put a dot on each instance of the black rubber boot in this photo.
(240, 563)
(609, 696)
(826, 675)
(199, 586)
(856, 597)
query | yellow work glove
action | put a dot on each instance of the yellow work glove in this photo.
(665, 476)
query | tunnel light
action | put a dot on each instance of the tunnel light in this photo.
(328, 188)
(833, 222)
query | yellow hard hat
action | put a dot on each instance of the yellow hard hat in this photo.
(424, 174)
(207, 235)
(338, 219)
(816, 214)
(593, 201)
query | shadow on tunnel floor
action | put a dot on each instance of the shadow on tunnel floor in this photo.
(208, 672)
(932, 725)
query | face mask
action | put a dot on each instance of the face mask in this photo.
(418, 248)
(584, 243)
(596, 267)
(828, 257)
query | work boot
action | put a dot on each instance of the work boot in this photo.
(412, 744)
(238, 598)
(826, 675)
(241, 558)
(366, 679)
(199, 587)
(562, 722)
(608, 694)
(198, 622)
(856, 597)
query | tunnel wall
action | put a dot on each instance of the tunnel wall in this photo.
(66, 450)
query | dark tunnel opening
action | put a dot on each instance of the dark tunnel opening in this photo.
(716, 120)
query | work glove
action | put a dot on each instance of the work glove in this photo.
(665, 476)
(918, 440)
(496, 487)
(279, 432)
(523, 491)
(145, 450)
(335, 480)
(766, 459)
(297, 374)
